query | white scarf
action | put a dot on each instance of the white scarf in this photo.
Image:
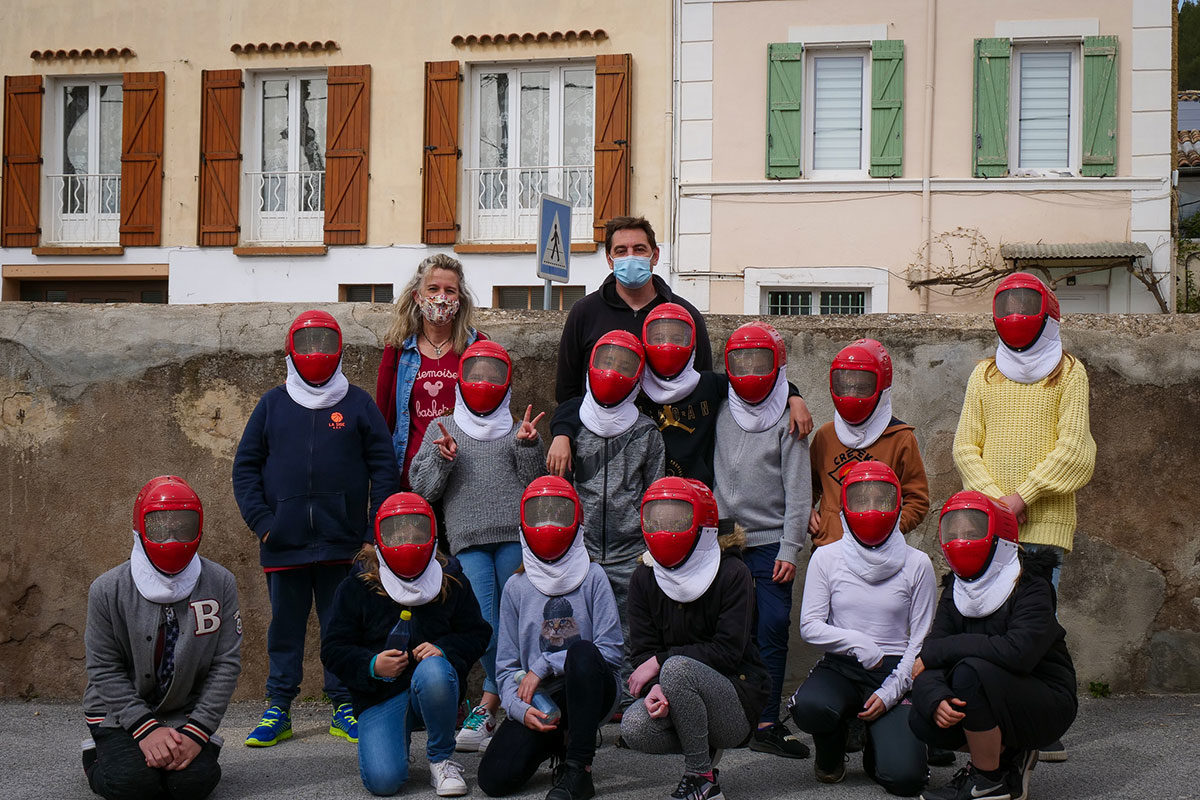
(1033, 364)
(309, 396)
(693, 577)
(672, 390)
(416, 592)
(563, 576)
(985, 594)
(874, 564)
(867, 432)
(607, 422)
(487, 428)
(156, 587)
(757, 417)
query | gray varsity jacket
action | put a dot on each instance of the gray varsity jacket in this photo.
(122, 631)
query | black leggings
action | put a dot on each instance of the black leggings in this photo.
(832, 695)
(120, 771)
(1029, 713)
(585, 696)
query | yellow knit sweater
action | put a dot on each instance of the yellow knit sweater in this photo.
(1031, 439)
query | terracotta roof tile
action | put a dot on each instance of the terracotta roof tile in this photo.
(87, 52)
(315, 45)
(1189, 149)
(528, 37)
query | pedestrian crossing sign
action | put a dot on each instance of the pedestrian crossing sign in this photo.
(554, 239)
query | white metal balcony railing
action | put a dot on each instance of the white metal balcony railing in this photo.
(84, 209)
(286, 207)
(504, 201)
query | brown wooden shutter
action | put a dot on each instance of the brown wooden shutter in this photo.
(22, 161)
(220, 156)
(613, 167)
(142, 98)
(439, 185)
(347, 132)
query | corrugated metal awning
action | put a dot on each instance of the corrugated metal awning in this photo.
(1023, 251)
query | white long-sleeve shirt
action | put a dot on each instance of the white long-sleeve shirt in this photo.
(845, 614)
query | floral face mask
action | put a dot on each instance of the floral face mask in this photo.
(438, 309)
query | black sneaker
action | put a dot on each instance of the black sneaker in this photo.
(572, 781)
(950, 790)
(978, 786)
(834, 775)
(856, 735)
(1053, 752)
(697, 787)
(777, 740)
(1018, 774)
(941, 758)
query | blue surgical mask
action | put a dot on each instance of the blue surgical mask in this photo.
(632, 272)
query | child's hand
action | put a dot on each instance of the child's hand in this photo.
(643, 675)
(656, 702)
(536, 721)
(427, 650)
(814, 522)
(918, 667)
(784, 572)
(558, 458)
(391, 663)
(872, 709)
(945, 716)
(800, 423)
(1015, 504)
(528, 430)
(528, 686)
(446, 445)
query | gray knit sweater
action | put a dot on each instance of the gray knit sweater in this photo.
(611, 475)
(763, 482)
(481, 488)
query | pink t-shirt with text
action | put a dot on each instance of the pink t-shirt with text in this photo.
(432, 396)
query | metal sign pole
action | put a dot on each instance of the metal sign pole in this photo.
(546, 296)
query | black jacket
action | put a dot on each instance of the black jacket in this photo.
(716, 629)
(1022, 637)
(602, 311)
(362, 619)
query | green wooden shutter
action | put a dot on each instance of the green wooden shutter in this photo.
(1099, 106)
(887, 108)
(989, 148)
(785, 111)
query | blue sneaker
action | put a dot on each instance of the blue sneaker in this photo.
(273, 728)
(344, 723)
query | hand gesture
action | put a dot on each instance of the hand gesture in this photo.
(558, 458)
(1015, 504)
(800, 421)
(784, 572)
(656, 702)
(642, 676)
(189, 748)
(946, 716)
(391, 663)
(918, 667)
(814, 522)
(528, 686)
(536, 721)
(427, 650)
(446, 445)
(528, 429)
(872, 709)
(161, 747)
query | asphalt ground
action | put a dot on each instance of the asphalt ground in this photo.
(1120, 747)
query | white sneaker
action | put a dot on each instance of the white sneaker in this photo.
(446, 777)
(477, 731)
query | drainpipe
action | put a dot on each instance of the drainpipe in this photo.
(671, 167)
(927, 155)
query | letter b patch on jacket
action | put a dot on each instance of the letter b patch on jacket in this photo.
(207, 619)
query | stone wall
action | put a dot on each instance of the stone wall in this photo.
(97, 399)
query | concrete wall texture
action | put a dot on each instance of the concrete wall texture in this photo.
(95, 400)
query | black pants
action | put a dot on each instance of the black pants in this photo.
(1029, 712)
(120, 771)
(832, 695)
(585, 696)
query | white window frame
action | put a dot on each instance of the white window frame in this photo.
(1074, 47)
(294, 222)
(90, 227)
(811, 54)
(581, 217)
(872, 281)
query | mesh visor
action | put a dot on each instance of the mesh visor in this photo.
(172, 525)
(485, 369)
(969, 524)
(308, 341)
(1026, 302)
(404, 529)
(558, 512)
(668, 516)
(616, 358)
(871, 496)
(853, 382)
(669, 331)
(751, 361)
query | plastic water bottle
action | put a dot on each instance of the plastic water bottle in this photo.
(400, 637)
(543, 703)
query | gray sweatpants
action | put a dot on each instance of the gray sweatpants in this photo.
(619, 573)
(704, 712)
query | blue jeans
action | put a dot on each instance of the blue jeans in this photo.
(487, 567)
(774, 602)
(385, 729)
(292, 592)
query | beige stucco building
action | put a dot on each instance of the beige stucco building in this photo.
(309, 151)
(832, 152)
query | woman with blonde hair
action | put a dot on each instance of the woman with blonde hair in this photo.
(403, 634)
(433, 325)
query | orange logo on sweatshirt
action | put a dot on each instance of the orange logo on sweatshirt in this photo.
(336, 421)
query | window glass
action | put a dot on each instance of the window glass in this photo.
(1045, 110)
(837, 112)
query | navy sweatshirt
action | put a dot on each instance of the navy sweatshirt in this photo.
(362, 618)
(306, 476)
